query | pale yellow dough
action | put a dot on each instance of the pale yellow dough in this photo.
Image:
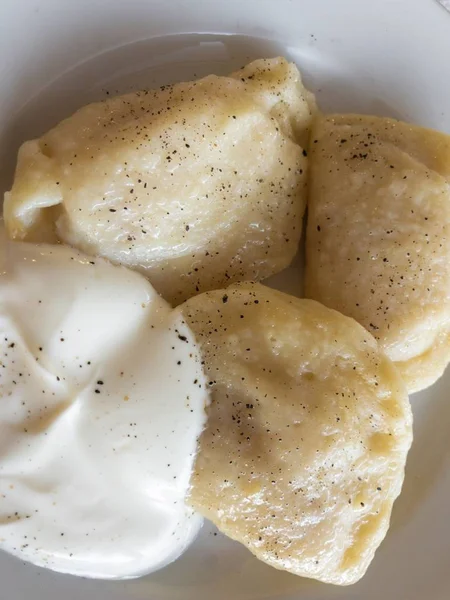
(195, 185)
(378, 237)
(307, 435)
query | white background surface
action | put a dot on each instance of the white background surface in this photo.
(388, 57)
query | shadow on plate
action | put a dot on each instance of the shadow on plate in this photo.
(430, 453)
(220, 569)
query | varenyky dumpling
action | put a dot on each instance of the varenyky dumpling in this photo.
(195, 185)
(307, 435)
(378, 236)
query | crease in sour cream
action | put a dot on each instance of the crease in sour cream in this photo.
(102, 399)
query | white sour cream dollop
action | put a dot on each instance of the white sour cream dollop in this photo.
(102, 400)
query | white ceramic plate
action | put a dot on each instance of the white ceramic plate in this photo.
(386, 57)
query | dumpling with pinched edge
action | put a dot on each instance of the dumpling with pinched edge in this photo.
(308, 431)
(196, 185)
(378, 236)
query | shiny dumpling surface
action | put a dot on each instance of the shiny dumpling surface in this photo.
(378, 236)
(196, 185)
(308, 431)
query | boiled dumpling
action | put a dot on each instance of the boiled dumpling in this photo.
(195, 185)
(307, 435)
(378, 237)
